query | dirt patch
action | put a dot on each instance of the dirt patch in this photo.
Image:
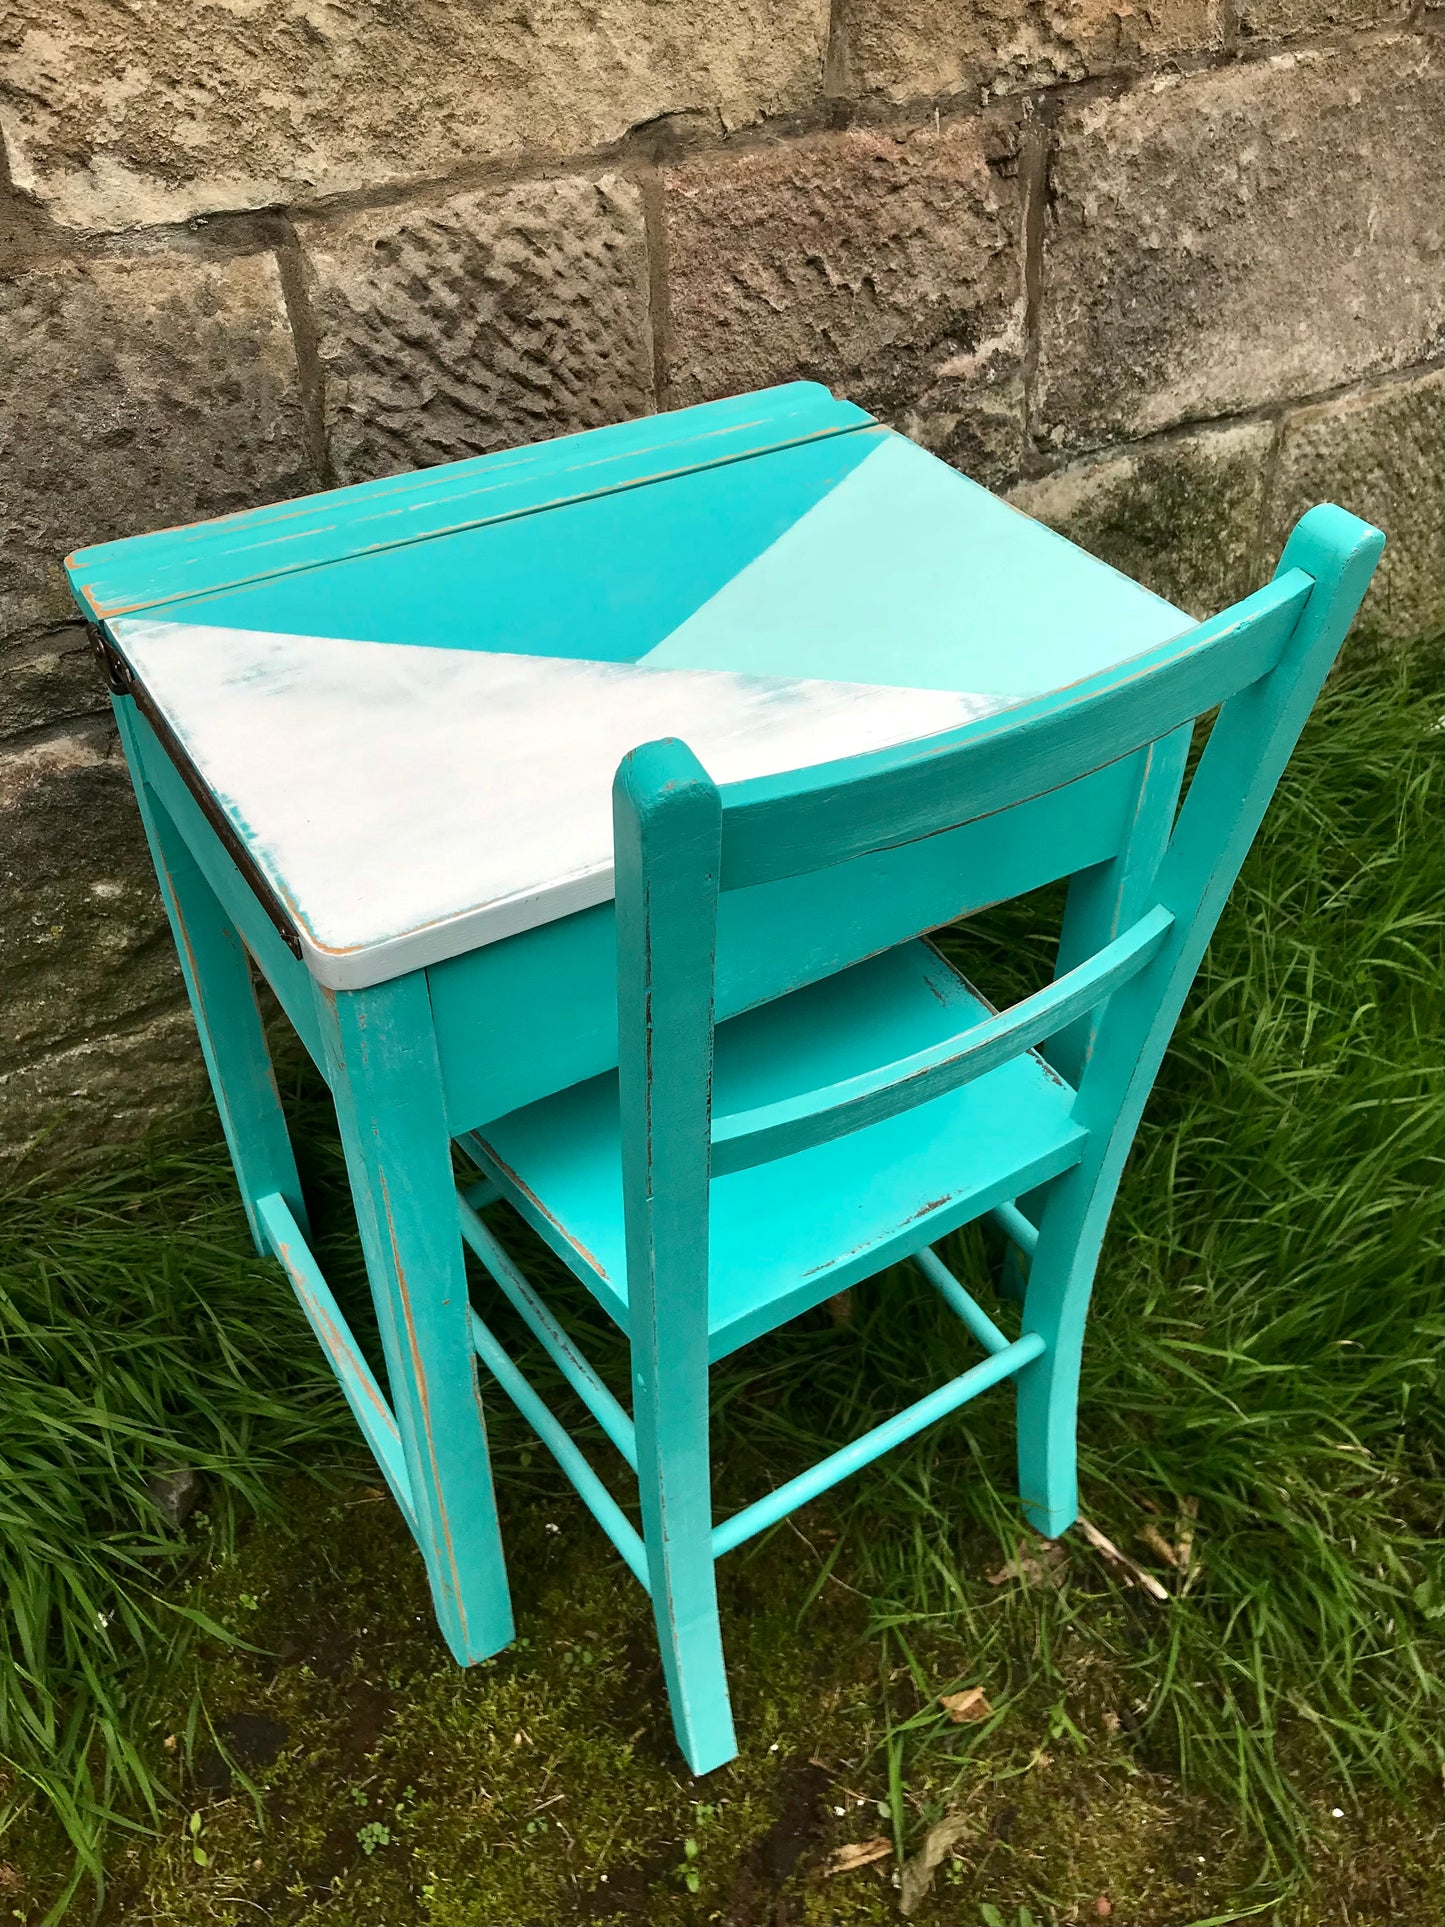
(368, 1708)
(626, 1892)
(248, 1740)
(756, 1896)
(639, 1705)
(338, 1851)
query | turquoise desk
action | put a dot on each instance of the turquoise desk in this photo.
(384, 721)
(373, 735)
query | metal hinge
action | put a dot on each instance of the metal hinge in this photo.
(116, 669)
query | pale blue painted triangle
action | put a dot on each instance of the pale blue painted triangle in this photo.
(907, 573)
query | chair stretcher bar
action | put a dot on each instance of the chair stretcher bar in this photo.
(363, 1394)
(590, 1489)
(838, 1465)
(578, 1373)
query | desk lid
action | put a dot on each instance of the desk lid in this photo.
(146, 571)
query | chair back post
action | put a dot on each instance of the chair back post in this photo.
(1251, 741)
(667, 819)
(666, 825)
(1253, 738)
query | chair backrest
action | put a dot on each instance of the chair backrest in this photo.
(680, 841)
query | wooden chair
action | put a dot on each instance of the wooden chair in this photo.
(730, 1175)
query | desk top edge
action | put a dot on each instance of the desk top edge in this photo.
(141, 572)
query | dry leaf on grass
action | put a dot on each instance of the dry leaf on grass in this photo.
(857, 1853)
(1033, 1567)
(970, 1704)
(1188, 1520)
(1180, 1555)
(938, 1843)
(1156, 1542)
(1111, 1552)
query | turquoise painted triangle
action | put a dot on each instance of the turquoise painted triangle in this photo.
(603, 579)
(860, 558)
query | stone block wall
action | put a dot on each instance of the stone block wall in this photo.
(1166, 271)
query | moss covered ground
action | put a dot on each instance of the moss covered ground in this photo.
(355, 1776)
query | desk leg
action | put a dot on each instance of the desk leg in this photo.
(385, 1077)
(218, 981)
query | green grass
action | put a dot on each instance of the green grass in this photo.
(1264, 1353)
(134, 1337)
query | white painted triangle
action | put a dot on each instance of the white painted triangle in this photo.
(411, 802)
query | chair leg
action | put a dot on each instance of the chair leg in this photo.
(675, 1488)
(233, 1039)
(1056, 1304)
(386, 1081)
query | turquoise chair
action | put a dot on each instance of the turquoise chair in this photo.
(729, 1175)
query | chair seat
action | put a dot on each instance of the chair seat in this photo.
(786, 1235)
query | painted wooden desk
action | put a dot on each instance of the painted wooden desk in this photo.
(384, 721)
(373, 736)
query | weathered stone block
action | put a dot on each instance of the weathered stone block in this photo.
(1182, 515)
(1224, 239)
(1290, 19)
(481, 321)
(84, 943)
(55, 679)
(135, 394)
(884, 264)
(158, 111)
(907, 49)
(1378, 454)
(106, 1089)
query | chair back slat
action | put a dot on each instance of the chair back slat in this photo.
(747, 1138)
(780, 826)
